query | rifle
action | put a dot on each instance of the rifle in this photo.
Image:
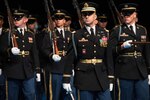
(51, 27)
(71, 95)
(76, 6)
(119, 17)
(137, 42)
(11, 25)
(51, 5)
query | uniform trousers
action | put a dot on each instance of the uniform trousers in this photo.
(134, 89)
(27, 87)
(95, 95)
(57, 90)
(2, 87)
(39, 88)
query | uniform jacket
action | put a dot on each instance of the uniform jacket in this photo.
(19, 66)
(133, 67)
(47, 50)
(4, 30)
(91, 76)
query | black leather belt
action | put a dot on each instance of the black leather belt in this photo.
(62, 53)
(24, 53)
(91, 61)
(132, 54)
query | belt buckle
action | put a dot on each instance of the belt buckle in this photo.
(23, 53)
(63, 53)
(135, 53)
(93, 61)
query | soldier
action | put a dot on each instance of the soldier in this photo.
(133, 58)
(55, 59)
(2, 76)
(68, 27)
(87, 52)
(33, 25)
(68, 23)
(103, 21)
(20, 58)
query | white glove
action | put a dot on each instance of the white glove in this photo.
(127, 44)
(56, 58)
(149, 79)
(67, 87)
(73, 72)
(38, 77)
(111, 86)
(15, 50)
(0, 71)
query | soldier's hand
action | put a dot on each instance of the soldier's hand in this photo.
(149, 79)
(56, 58)
(111, 82)
(0, 71)
(111, 86)
(67, 87)
(127, 44)
(15, 51)
(38, 77)
(73, 72)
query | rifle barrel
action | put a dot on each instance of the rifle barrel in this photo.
(51, 27)
(137, 42)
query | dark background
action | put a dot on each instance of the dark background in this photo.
(36, 7)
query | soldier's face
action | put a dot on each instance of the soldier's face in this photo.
(130, 18)
(89, 18)
(21, 23)
(60, 23)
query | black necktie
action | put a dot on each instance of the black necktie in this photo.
(92, 31)
(131, 28)
(61, 32)
(21, 30)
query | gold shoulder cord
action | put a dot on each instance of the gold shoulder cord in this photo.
(45, 85)
(50, 86)
(119, 91)
(6, 84)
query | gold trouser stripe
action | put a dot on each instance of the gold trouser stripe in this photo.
(50, 87)
(78, 91)
(119, 91)
(45, 83)
(6, 84)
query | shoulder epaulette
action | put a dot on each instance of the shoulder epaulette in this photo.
(142, 27)
(30, 31)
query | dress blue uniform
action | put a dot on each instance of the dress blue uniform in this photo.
(2, 76)
(19, 69)
(87, 52)
(131, 64)
(56, 69)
